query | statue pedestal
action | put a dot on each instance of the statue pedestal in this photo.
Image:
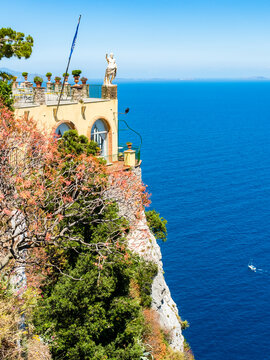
(109, 92)
(76, 92)
(39, 95)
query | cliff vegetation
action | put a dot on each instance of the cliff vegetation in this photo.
(70, 287)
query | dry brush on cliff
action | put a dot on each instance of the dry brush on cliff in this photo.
(45, 192)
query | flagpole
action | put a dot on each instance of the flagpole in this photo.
(71, 51)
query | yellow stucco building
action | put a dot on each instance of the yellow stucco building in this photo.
(94, 117)
(92, 112)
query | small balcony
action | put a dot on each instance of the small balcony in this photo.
(126, 158)
(122, 148)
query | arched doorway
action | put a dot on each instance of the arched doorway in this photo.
(63, 128)
(99, 134)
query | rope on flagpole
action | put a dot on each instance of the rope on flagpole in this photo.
(71, 51)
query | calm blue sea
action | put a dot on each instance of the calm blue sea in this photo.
(206, 159)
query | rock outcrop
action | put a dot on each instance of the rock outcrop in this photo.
(142, 241)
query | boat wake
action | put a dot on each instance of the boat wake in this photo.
(253, 268)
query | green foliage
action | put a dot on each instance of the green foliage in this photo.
(90, 321)
(65, 74)
(6, 94)
(57, 78)
(71, 142)
(76, 72)
(38, 79)
(7, 77)
(24, 74)
(9, 318)
(14, 43)
(157, 224)
(87, 311)
(95, 317)
(49, 74)
(184, 324)
(144, 275)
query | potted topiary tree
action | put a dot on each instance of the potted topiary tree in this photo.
(25, 75)
(57, 80)
(76, 74)
(38, 81)
(83, 80)
(49, 75)
(65, 76)
(129, 145)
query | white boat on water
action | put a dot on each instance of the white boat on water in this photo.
(252, 267)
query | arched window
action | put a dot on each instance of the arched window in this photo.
(99, 134)
(61, 129)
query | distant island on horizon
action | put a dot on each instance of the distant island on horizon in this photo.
(250, 78)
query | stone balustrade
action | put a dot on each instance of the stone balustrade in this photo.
(26, 94)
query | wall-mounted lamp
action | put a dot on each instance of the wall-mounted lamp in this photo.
(83, 108)
(123, 113)
(55, 114)
(126, 111)
(26, 115)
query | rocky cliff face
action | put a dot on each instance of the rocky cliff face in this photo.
(143, 242)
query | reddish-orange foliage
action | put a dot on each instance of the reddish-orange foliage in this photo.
(42, 188)
(127, 189)
(133, 187)
(39, 187)
(154, 336)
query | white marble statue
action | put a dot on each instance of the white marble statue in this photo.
(111, 70)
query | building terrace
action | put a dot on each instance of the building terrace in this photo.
(92, 110)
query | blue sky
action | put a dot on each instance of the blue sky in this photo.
(164, 39)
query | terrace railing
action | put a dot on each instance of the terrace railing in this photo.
(23, 95)
(120, 156)
(52, 94)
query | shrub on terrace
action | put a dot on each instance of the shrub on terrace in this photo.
(6, 94)
(76, 72)
(38, 79)
(72, 142)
